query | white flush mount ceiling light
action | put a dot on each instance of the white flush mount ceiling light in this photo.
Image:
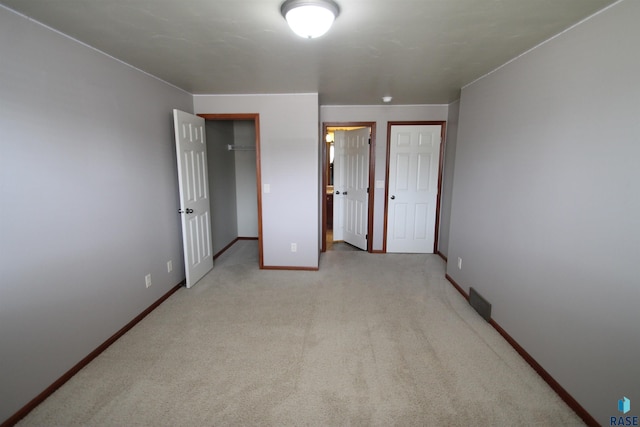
(310, 18)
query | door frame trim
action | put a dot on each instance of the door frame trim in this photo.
(443, 125)
(256, 121)
(325, 164)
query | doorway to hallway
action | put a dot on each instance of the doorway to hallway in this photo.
(348, 164)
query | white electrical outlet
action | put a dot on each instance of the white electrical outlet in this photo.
(169, 266)
(294, 247)
(147, 280)
(459, 263)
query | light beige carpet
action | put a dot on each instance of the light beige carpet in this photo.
(369, 340)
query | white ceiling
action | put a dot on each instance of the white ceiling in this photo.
(418, 51)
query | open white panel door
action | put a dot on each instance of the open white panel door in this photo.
(339, 184)
(356, 191)
(414, 160)
(191, 149)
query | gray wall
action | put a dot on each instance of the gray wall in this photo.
(246, 189)
(222, 187)
(546, 204)
(88, 202)
(289, 165)
(381, 115)
(447, 177)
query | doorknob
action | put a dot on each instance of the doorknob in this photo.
(393, 197)
(189, 211)
(180, 211)
(344, 193)
(337, 193)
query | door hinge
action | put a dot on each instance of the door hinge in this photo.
(367, 190)
(366, 237)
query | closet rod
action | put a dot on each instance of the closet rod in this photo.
(231, 147)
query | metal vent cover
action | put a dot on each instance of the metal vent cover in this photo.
(481, 305)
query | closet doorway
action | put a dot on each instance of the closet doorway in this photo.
(233, 157)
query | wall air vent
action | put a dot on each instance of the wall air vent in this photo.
(481, 305)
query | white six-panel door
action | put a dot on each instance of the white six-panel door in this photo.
(339, 184)
(357, 182)
(191, 149)
(414, 160)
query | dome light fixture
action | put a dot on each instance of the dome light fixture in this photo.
(310, 18)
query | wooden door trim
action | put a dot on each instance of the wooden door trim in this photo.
(443, 125)
(372, 163)
(256, 121)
